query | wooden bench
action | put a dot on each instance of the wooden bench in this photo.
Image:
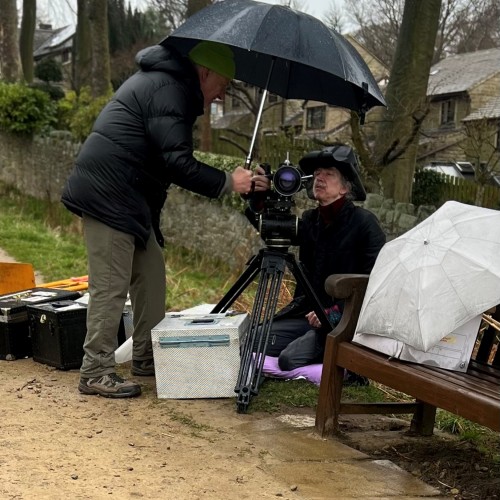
(474, 395)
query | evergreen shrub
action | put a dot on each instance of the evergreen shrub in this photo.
(78, 112)
(427, 188)
(24, 110)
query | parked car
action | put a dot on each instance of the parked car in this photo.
(460, 169)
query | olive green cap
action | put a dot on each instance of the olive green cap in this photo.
(215, 56)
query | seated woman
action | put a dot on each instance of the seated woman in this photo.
(336, 237)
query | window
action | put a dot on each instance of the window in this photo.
(315, 118)
(235, 102)
(448, 112)
(271, 98)
(65, 56)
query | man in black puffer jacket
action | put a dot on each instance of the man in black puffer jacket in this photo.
(140, 144)
(337, 237)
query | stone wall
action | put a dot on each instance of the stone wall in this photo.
(40, 166)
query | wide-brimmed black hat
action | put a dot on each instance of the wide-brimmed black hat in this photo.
(343, 158)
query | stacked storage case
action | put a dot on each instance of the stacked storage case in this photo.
(14, 331)
(198, 355)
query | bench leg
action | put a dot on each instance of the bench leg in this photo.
(423, 419)
(328, 410)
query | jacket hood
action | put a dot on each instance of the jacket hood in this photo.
(163, 58)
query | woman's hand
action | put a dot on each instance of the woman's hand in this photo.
(313, 319)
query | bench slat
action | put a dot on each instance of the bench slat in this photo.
(422, 384)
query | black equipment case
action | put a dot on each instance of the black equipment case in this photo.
(14, 331)
(58, 331)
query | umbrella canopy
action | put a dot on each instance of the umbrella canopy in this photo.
(436, 277)
(284, 51)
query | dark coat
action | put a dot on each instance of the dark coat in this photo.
(140, 144)
(350, 244)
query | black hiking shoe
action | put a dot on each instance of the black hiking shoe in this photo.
(353, 379)
(144, 368)
(109, 386)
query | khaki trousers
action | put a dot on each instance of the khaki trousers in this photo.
(116, 266)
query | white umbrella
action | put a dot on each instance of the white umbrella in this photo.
(436, 277)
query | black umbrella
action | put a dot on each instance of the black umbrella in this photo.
(284, 51)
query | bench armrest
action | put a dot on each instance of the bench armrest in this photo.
(351, 288)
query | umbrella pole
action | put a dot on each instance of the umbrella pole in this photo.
(248, 161)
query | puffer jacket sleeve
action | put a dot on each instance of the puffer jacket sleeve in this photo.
(169, 123)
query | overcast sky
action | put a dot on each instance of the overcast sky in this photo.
(63, 12)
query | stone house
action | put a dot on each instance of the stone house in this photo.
(464, 100)
(54, 43)
(331, 123)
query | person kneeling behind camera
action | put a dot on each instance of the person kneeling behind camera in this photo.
(336, 237)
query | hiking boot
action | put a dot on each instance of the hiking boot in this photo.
(353, 379)
(144, 368)
(109, 386)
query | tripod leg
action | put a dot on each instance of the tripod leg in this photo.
(256, 342)
(240, 285)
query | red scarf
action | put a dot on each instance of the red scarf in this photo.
(329, 212)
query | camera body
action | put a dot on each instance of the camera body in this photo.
(276, 223)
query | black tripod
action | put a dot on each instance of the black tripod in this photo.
(271, 262)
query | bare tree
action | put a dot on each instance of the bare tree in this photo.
(334, 17)
(10, 66)
(250, 98)
(28, 25)
(480, 148)
(171, 12)
(397, 134)
(379, 22)
(464, 26)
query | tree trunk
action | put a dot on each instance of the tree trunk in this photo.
(9, 48)
(82, 48)
(101, 74)
(397, 135)
(204, 123)
(28, 24)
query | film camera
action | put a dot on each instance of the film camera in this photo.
(272, 210)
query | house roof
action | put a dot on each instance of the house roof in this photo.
(461, 72)
(60, 37)
(490, 110)
(41, 35)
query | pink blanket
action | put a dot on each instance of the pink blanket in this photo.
(309, 372)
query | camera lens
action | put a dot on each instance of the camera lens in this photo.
(287, 180)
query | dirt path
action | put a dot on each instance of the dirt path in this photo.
(57, 443)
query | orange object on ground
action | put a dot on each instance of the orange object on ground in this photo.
(16, 276)
(74, 284)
